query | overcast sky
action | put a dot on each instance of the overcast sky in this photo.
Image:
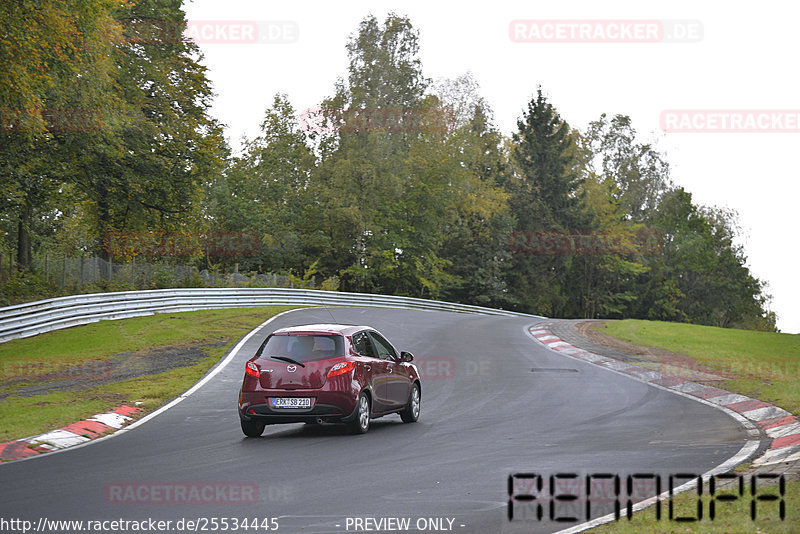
(706, 56)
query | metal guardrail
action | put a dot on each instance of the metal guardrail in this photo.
(30, 319)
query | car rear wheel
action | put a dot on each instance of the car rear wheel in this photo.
(252, 429)
(360, 424)
(410, 413)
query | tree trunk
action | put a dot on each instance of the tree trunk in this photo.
(24, 238)
(103, 227)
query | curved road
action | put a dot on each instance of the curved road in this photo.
(485, 415)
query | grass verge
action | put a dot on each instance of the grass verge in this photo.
(46, 355)
(730, 516)
(762, 365)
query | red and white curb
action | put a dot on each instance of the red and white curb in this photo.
(777, 423)
(78, 433)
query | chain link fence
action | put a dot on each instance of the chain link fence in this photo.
(75, 272)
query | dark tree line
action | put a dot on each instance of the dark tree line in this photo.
(394, 185)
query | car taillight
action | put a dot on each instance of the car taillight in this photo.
(252, 369)
(341, 368)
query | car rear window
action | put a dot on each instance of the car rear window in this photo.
(303, 347)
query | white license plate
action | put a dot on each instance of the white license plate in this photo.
(291, 402)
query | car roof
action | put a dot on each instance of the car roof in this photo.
(323, 328)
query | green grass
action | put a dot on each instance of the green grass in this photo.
(730, 516)
(763, 365)
(25, 416)
(97, 341)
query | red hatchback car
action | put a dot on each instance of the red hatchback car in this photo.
(327, 373)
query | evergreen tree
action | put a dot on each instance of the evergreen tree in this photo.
(544, 196)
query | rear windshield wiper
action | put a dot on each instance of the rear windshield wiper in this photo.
(286, 359)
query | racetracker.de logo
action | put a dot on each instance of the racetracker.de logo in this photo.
(242, 32)
(54, 120)
(51, 370)
(605, 31)
(731, 120)
(436, 367)
(180, 243)
(167, 32)
(179, 493)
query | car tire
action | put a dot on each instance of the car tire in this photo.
(360, 424)
(410, 413)
(252, 429)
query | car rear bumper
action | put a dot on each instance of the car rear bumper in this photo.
(255, 406)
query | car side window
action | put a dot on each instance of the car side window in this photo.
(363, 345)
(384, 348)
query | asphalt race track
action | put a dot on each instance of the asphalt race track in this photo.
(485, 415)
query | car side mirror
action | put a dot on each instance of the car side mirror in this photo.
(406, 356)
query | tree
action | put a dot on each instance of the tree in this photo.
(476, 241)
(364, 170)
(147, 169)
(701, 273)
(406, 190)
(110, 105)
(639, 172)
(544, 190)
(624, 181)
(54, 79)
(545, 185)
(266, 191)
